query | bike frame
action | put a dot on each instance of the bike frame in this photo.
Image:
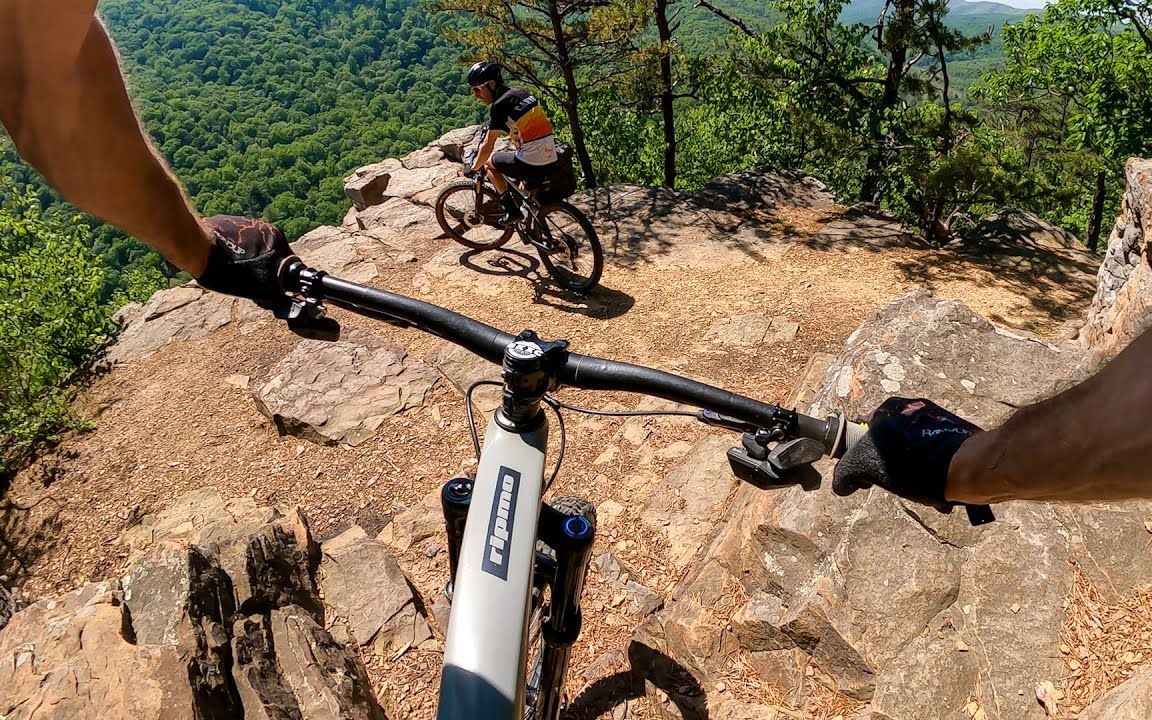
(498, 578)
(487, 644)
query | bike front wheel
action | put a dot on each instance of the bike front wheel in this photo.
(470, 217)
(571, 252)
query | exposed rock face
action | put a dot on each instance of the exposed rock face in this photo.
(1121, 309)
(944, 351)
(75, 657)
(367, 593)
(218, 617)
(887, 602)
(340, 392)
(182, 313)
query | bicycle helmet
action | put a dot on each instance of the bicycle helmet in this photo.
(483, 72)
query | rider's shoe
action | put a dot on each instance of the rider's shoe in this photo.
(512, 214)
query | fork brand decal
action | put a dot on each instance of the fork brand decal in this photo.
(500, 523)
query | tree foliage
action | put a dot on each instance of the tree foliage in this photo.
(1071, 103)
(51, 320)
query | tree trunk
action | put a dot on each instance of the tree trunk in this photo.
(664, 34)
(894, 44)
(572, 95)
(1096, 220)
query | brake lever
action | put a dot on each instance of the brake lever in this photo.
(307, 318)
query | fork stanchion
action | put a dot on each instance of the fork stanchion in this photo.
(455, 497)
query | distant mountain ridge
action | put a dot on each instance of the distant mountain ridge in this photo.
(993, 13)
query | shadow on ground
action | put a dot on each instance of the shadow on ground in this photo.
(601, 303)
(646, 666)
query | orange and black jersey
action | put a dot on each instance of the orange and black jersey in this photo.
(520, 115)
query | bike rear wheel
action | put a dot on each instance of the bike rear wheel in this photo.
(469, 217)
(576, 259)
(540, 698)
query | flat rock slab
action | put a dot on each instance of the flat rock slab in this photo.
(399, 220)
(365, 589)
(461, 368)
(183, 313)
(447, 268)
(753, 330)
(340, 392)
(405, 183)
(688, 504)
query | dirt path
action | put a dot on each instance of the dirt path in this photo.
(172, 423)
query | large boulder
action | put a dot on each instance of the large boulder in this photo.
(884, 601)
(218, 616)
(1122, 308)
(365, 186)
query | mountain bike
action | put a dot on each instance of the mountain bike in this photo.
(517, 564)
(469, 210)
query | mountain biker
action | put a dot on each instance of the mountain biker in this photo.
(64, 104)
(518, 113)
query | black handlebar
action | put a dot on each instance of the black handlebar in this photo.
(833, 434)
(578, 371)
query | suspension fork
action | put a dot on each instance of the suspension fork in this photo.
(571, 537)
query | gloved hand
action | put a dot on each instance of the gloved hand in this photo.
(906, 451)
(245, 259)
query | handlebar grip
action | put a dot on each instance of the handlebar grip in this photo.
(852, 433)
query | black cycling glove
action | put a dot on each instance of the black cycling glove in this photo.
(906, 451)
(245, 258)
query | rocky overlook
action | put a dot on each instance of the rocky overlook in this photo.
(252, 527)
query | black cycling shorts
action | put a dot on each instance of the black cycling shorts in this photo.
(508, 165)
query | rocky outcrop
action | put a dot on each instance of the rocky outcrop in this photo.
(887, 602)
(219, 616)
(75, 657)
(182, 313)
(412, 175)
(340, 392)
(1012, 226)
(1121, 309)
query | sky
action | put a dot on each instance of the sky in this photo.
(1023, 3)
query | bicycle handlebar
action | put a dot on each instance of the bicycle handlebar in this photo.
(834, 434)
(579, 371)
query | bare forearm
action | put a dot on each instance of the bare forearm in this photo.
(69, 114)
(486, 148)
(1092, 442)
